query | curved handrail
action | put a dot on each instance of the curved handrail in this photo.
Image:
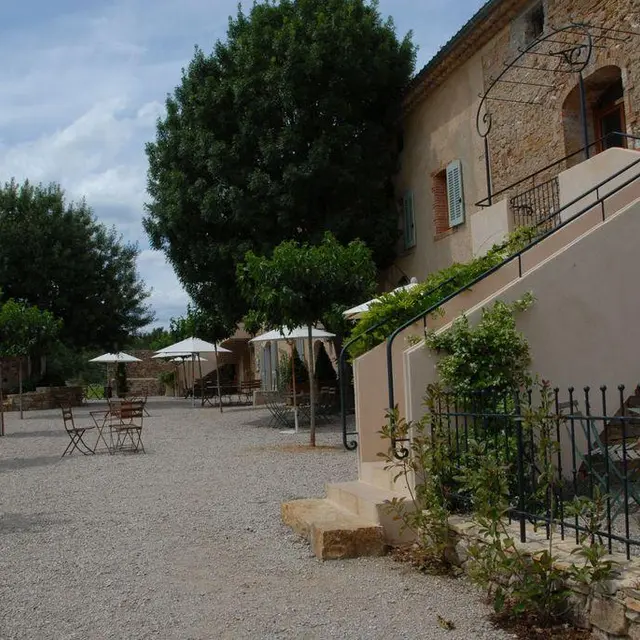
(353, 444)
(404, 452)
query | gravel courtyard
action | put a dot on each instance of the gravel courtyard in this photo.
(186, 542)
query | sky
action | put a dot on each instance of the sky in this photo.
(83, 82)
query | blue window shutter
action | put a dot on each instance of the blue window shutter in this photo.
(455, 193)
(409, 221)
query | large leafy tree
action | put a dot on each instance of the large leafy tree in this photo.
(56, 256)
(286, 130)
(300, 284)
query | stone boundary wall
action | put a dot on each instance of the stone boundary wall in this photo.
(145, 386)
(611, 612)
(44, 398)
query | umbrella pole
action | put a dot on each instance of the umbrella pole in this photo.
(201, 380)
(312, 395)
(1, 402)
(193, 382)
(20, 387)
(215, 348)
(293, 385)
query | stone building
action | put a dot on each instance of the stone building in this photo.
(500, 102)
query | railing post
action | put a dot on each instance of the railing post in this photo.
(487, 167)
(583, 115)
(353, 444)
(520, 441)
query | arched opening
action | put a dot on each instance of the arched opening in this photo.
(604, 101)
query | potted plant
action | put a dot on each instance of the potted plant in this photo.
(168, 379)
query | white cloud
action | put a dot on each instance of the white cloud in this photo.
(83, 90)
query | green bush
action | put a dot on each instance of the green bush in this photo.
(394, 309)
(285, 374)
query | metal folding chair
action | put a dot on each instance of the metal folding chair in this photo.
(281, 413)
(126, 424)
(76, 434)
(605, 457)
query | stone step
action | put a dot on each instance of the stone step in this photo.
(333, 533)
(376, 474)
(371, 503)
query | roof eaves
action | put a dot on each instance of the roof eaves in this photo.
(487, 15)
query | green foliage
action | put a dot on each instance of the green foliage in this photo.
(493, 355)
(285, 374)
(300, 283)
(394, 309)
(426, 513)
(25, 328)
(287, 130)
(207, 324)
(520, 582)
(591, 515)
(325, 373)
(154, 340)
(167, 377)
(56, 256)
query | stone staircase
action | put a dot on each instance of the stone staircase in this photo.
(354, 519)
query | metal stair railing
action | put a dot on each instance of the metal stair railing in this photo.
(403, 452)
(353, 444)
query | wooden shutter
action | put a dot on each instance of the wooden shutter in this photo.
(409, 221)
(455, 193)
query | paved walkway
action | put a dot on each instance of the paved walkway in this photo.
(186, 542)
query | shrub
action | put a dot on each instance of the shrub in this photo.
(394, 309)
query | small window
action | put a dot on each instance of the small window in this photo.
(455, 193)
(409, 222)
(440, 203)
(533, 23)
(448, 198)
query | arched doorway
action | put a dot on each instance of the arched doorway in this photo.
(605, 116)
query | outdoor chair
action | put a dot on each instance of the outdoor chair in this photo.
(143, 400)
(76, 434)
(281, 412)
(327, 404)
(611, 462)
(126, 426)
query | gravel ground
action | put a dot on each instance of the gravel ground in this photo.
(186, 542)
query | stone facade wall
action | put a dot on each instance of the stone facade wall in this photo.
(441, 125)
(525, 138)
(45, 398)
(611, 611)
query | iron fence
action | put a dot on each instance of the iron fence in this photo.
(593, 451)
(537, 205)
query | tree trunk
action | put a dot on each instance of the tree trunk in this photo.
(201, 380)
(215, 346)
(1, 403)
(312, 393)
(20, 387)
(293, 386)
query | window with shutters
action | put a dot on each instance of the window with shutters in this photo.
(408, 221)
(455, 193)
(448, 199)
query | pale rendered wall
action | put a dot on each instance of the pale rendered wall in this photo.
(440, 130)
(583, 328)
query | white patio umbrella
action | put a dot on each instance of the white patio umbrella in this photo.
(356, 312)
(194, 347)
(114, 358)
(179, 359)
(310, 333)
